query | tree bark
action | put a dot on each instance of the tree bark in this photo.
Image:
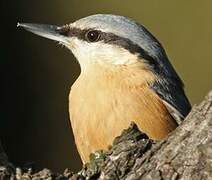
(186, 154)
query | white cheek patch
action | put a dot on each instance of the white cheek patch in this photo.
(102, 53)
(116, 55)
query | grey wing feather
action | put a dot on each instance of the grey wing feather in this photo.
(174, 112)
(172, 94)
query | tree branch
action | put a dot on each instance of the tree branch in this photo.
(185, 154)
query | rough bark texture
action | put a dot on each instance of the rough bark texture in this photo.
(185, 154)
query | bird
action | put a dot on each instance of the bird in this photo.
(125, 76)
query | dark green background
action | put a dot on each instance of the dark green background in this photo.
(36, 74)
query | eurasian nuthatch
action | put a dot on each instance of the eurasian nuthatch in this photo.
(125, 76)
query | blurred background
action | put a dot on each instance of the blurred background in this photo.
(36, 73)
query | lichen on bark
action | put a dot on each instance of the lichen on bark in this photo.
(185, 154)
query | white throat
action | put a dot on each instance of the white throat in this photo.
(100, 53)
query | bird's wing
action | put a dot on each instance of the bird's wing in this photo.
(174, 112)
(173, 97)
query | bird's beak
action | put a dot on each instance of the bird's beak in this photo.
(48, 31)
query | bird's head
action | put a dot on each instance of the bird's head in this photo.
(110, 40)
(107, 40)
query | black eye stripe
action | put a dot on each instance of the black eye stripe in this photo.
(71, 32)
(110, 38)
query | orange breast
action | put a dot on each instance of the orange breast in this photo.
(102, 105)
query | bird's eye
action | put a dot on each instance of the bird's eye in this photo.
(93, 35)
